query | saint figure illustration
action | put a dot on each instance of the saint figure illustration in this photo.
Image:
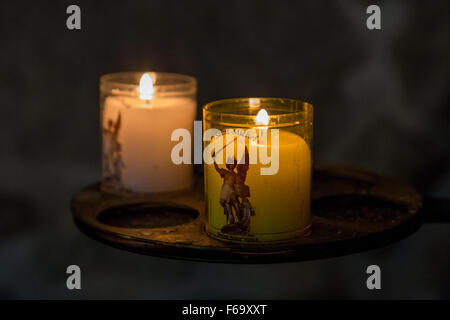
(118, 165)
(243, 192)
(234, 196)
(112, 160)
(228, 199)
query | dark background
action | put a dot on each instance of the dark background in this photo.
(381, 102)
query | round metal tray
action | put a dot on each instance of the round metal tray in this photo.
(353, 211)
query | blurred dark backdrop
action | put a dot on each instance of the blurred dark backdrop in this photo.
(381, 102)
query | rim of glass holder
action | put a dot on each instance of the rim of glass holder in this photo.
(242, 111)
(164, 83)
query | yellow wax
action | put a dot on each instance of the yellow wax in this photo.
(281, 201)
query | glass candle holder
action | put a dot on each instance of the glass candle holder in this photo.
(257, 169)
(139, 112)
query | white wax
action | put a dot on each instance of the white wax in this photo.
(145, 141)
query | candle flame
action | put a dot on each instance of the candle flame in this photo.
(146, 87)
(262, 117)
(254, 102)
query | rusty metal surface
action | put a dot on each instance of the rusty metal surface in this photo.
(353, 211)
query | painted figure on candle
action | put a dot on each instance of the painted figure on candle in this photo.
(228, 199)
(118, 164)
(243, 192)
(234, 196)
(112, 159)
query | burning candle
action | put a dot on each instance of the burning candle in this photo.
(139, 111)
(257, 169)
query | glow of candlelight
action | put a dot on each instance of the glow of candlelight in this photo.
(146, 88)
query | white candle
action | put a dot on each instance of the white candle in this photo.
(137, 157)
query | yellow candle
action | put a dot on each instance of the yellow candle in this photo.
(279, 203)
